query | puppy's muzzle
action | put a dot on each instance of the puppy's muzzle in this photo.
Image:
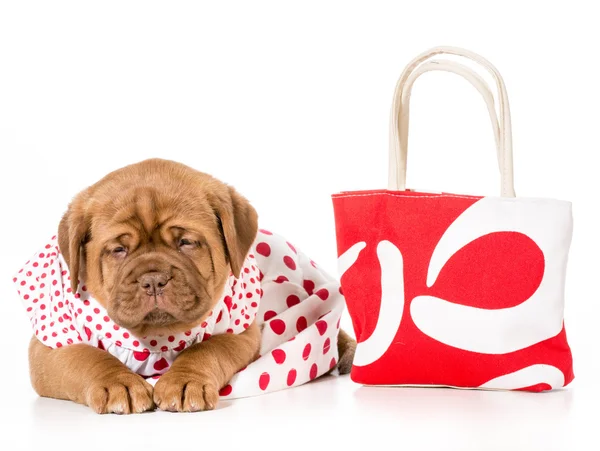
(156, 289)
(152, 290)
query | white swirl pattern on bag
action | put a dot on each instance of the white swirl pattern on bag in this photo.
(348, 258)
(493, 331)
(527, 377)
(391, 306)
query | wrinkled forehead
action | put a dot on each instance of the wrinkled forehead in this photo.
(147, 211)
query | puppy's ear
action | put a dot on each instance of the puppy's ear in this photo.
(73, 232)
(239, 225)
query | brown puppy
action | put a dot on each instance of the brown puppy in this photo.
(155, 243)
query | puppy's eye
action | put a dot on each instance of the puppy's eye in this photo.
(119, 251)
(186, 244)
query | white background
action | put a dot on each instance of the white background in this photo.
(289, 102)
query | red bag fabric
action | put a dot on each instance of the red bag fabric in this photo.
(455, 290)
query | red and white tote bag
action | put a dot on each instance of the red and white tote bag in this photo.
(455, 290)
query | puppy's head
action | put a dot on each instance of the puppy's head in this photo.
(155, 243)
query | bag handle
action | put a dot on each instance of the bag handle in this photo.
(469, 75)
(400, 113)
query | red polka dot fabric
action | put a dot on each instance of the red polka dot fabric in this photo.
(297, 305)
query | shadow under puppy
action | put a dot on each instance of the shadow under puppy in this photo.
(158, 275)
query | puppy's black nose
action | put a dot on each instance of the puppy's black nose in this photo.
(154, 282)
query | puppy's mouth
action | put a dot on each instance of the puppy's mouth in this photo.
(145, 315)
(158, 317)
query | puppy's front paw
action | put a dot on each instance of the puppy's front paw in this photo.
(185, 392)
(122, 393)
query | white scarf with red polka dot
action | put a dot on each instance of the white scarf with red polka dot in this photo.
(297, 305)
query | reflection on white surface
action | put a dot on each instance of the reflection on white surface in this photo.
(331, 413)
(478, 405)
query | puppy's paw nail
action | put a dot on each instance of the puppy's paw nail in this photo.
(122, 393)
